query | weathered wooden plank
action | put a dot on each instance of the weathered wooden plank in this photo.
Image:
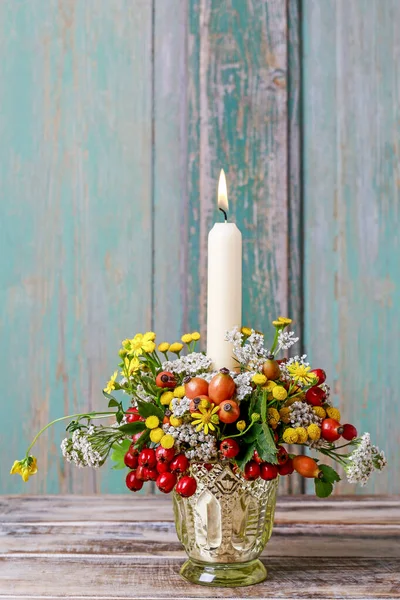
(76, 270)
(351, 183)
(106, 576)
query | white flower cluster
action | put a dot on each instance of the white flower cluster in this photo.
(180, 406)
(79, 450)
(142, 395)
(243, 384)
(191, 364)
(252, 353)
(364, 459)
(286, 339)
(327, 390)
(302, 415)
(195, 444)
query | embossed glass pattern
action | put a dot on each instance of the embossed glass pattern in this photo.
(224, 526)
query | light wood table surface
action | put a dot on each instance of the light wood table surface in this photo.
(110, 547)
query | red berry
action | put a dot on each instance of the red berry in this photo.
(268, 471)
(251, 470)
(140, 473)
(349, 432)
(133, 415)
(229, 411)
(321, 375)
(331, 430)
(276, 436)
(186, 486)
(180, 464)
(132, 482)
(229, 448)
(162, 467)
(196, 386)
(164, 454)
(287, 468)
(150, 474)
(166, 482)
(315, 396)
(147, 458)
(166, 379)
(282, 455)
(131, 460)
(257, 457)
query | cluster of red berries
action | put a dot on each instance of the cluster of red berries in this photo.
(163, 466)
(256, 467)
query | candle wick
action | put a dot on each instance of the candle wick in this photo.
(225, 215)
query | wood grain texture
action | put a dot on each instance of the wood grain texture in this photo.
(97, 551)
(76, 151)
(351, 65)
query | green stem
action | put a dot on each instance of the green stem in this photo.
(275, 342)
(238, 434)
(93, 415)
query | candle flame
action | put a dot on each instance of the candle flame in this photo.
(222, 192)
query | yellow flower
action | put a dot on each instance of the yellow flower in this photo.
(246, 331)
(150, 335)
(314, 432)
(152, 422)
(156, 435)
(255, 417)
(300, 373)
(319, 411)
(176, 347)
(163, 347)
(302, 435)
(206, 418)
(167, 441)
(277, 324)
(290, 436)
(179, 391)
(187, 338)
(259, 379)
(285, 320)
(333, 413)
(166, 398)
(175, 422)
(269, 386)
(132, 365)
(273, 418)
(140, 343)
(111, 384)
(25, 467)
(284, 414)
(279, 392)
(241, 425)
(195, 336)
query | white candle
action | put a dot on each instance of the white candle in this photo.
(224, 296)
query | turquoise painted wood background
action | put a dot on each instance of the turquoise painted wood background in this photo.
(116, 116)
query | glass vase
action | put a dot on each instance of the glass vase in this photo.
(224, 526)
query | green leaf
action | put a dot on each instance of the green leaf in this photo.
(119, 451)
(329, 474)
(148, 409)
(244, 457)
(108, 396)
(254, 432)
(112, 403)
(143, 439)
(265, 445)
(132, 428)
(263, 411)
(323, 489)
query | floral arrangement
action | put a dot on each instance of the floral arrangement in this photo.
(181, 411)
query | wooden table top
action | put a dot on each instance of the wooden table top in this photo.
(126, 547)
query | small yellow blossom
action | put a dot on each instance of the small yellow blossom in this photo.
(187, 338)
(290, 436)
(255, 417)
(333, 413)
(175, 422)
(300, 373)
(152, 422)
(167, 441)
(285, 320)
(166, 398)
(179, 391)
(241, 425)
(206, 418)
(150, 335)
(111, 384)
(132, 365)
(302, 435)
(140, 343)
(246, 331)
(163, 347)
(319, 411)
(25, 467)
(277, 324)
(314, 432)
(284, 414)
(279, 392)
(269, 386)
(259, 379)
(156, 435)
(122, 353)
(176, 347)
(195, 336)
(273, 418)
